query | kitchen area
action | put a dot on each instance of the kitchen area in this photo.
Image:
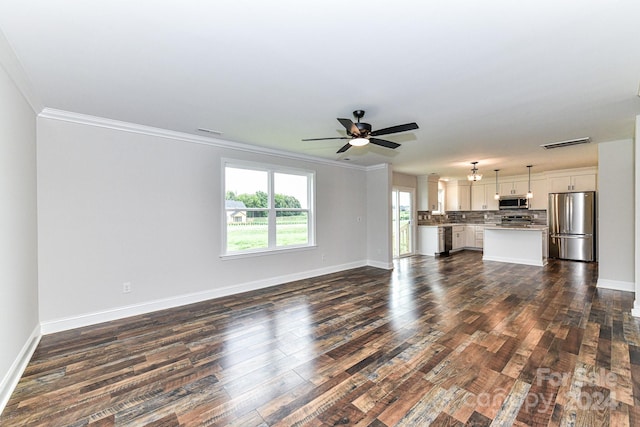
(508, 218)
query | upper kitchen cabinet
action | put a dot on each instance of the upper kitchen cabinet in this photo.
(458, 196)
(482, 197)
(428, 193)
(540, 194)
(514, 188)
(575, 180)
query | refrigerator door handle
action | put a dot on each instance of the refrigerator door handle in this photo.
(570, 236)
(567, 217)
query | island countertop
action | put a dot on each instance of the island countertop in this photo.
(517, 227)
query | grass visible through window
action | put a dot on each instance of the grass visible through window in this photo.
(290, 231)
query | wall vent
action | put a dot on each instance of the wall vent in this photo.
(566, 143)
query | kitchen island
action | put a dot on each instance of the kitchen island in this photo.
(516, 244)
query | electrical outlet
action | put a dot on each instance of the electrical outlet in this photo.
(126, 287)
(323, 257)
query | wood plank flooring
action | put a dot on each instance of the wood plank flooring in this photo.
(443, 341)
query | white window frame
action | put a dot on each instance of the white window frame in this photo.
(271, 170)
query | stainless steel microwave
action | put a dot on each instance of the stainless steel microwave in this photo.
(518, 202)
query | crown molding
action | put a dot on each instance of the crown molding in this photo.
(84, 119)
(377, 167)
(11, 64)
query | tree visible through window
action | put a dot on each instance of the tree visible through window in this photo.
(266, 208)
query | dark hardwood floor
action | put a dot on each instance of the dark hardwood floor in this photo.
(445, 341)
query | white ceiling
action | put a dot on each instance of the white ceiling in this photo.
(486, 81)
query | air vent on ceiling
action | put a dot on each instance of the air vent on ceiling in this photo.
(566, 143)
(215, 132)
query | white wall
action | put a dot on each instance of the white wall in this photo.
(616, 202)
(121, 206)
(19, 327)
(403, 180)
(636, 305)
(379, 187)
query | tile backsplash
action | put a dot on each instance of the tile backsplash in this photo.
(479, 217)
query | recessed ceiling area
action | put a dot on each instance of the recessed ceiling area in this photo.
(487, 81)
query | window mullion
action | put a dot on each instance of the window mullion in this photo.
(272, 211)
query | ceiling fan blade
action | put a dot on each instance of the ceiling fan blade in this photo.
(395, 129)
(324, 139)
(350, 127)
(344, 148)
(383, 143)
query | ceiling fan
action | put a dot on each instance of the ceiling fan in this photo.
(360, 134)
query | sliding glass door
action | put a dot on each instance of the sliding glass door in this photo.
(402, 222)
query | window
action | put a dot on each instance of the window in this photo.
(266, 208)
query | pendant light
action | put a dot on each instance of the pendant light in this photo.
(497, 195)
(529, 193)
(474, 175)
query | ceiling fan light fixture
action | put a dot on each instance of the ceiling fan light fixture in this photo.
(359, 142)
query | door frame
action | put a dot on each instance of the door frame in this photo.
(412, 221)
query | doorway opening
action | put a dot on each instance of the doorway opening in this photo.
(402, 222)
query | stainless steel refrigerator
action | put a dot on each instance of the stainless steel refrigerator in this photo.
(572, 225)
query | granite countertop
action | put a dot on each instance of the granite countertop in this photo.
(518, 227)
(453, 224)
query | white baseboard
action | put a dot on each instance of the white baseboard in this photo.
(87, 319)
(616, 285)
(379, 264)
(515, 261)
(12, 377)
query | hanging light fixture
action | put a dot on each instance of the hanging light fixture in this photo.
(529, 193)
(497, 195)
(474, 175)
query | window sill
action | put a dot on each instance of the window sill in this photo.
(264, 252)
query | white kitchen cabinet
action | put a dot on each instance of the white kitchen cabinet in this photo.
(474, 236)
(458, 237)
(470, 236)
(540, 194)
(582, 182)
(478, 197)
(458, 196)
(427, 240)
(479, 236)
(482, 197)
(514, 188)
(428, 193)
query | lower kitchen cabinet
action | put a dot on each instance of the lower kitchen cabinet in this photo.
(459, 241)
(474, 236)
(479, 236)
(463, 236)
(427, 240)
